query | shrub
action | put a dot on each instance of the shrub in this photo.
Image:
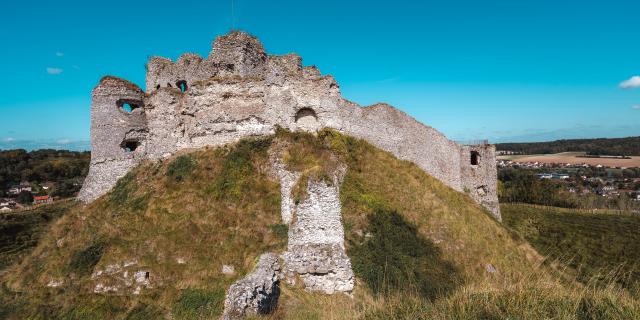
(181, 168)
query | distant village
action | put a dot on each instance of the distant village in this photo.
(584, 179)
(25, 195)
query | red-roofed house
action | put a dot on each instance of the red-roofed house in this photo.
(42, 199)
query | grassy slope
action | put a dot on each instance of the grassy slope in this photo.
(210, 207)
(21, 231)
(595, 247)
(418, 248)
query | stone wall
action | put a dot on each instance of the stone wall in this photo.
(240, 91)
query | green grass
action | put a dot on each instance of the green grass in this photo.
(21, 231)
(419, 249)
(181, 167)
(83, 261)
(392, 256)
(595, 247)
(198, 304)
(157, 219)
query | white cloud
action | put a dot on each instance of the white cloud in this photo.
(51, 70)
(59, 54)
(637, 107)
(9, 139)
(64, 141)
(633, 82)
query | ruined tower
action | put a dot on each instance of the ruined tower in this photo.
(240, 91)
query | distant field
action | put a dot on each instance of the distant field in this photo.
(572, 157)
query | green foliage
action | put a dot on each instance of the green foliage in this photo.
(25, 197)
(181, 168)
(123, 189)
(523, 186)
(66, 188)
(21, 231)
(597, 247)
(83, 261)
(391, 256)
(42, 166)
(199, 304)
(618, 146)
(238, 168)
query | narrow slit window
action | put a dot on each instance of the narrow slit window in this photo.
(475, 158)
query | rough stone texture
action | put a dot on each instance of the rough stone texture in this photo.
(315, 251)
(287, 180)
(480, 180)
(240, 91)
(322, 268)
(257, 293)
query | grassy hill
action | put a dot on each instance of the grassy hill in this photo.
(596, 248)
(418, 248)
(21, 231)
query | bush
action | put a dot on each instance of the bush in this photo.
(25, 197)
(181, 168)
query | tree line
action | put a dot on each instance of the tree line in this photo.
(65, 169)
(602, 146)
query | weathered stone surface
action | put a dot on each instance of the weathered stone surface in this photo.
(322, 268)
(257, 293)
(315, 251)
(240, 91)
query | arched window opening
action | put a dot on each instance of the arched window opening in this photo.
(475, 158)
(128, 105)
(307, 120)
(158, 87)
(182, 85)
(130, 145)
(168, 84)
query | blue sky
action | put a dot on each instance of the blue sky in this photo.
(502, 70)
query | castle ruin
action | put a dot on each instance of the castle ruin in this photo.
(240, 91)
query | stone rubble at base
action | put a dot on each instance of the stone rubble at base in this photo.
(257, 293)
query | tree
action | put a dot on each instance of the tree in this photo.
(25, 197)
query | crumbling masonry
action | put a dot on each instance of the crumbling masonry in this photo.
(240, 91)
